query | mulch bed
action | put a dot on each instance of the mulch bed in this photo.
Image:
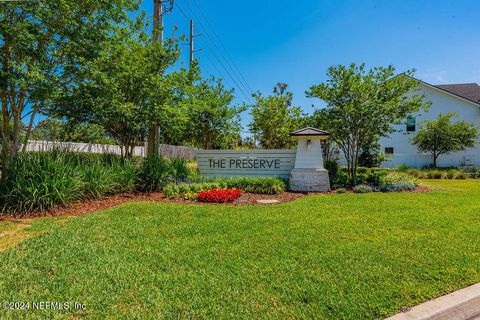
(90, 206)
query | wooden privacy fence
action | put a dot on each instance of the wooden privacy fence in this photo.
(168, 151)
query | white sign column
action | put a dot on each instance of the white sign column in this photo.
(309, 175)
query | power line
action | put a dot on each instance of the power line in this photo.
(219, 60)
(214, 44)
(218, 56)
(227, 80)
(197, 4)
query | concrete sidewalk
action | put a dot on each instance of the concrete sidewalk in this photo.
(463, 304)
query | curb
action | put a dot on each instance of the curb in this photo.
(463, 304)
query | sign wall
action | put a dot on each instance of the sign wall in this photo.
(246, 163)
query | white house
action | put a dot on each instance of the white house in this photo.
(462, 99)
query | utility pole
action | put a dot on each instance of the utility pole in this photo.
(192, 44)
(153, 140)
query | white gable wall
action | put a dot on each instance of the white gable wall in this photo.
(442, 102)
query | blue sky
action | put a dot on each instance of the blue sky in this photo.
(296, 41)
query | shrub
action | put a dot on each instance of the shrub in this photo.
(180, 171)
(375, 178)
(403, 168)
(397, 182)
(445, 173)
(259, 185)
(362, 188)
(193, 173)
(219, 195)
(189, 191)
(341, 190)
(341, 180)
(155, 172)
(400, 177)
(435, 174)
(40, 181)
(262, 185)
(44, 180)
(416, 173)
(98, 180)
(372, 176)
(170, 190)
(462, 176)
(452, 174)
(398, 187)
(332, 167)
(125, 176)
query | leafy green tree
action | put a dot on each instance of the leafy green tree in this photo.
(441, 136)
(246, 143)
(42, 45)
(320, 120)
(56, 130)
(126, 88)
(213, 122)
(274, 118)
(363, 104)
(49, 130)
(87, 133)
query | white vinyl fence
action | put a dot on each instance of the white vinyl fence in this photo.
(168, 151)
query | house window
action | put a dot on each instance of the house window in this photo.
(389, 150)
(411, 124)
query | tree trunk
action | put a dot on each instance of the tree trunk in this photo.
(29, 128)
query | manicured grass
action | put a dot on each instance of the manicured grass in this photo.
(345, 256)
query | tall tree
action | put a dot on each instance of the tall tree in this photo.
(363, 104)
(126, 88)
(441, 136)
(320, 119)
(56, 130)
(274, 117)
(214, 122)
(42, 45)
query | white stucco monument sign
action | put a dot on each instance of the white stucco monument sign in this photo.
(302, 167)
(308, 173)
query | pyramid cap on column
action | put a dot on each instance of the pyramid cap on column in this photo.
(310, 132)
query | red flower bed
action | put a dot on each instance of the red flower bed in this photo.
(219, 195)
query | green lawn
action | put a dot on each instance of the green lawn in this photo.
(346, 256)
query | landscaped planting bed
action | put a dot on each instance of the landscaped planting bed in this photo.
(51, 182)
(371, 180)
(38, 183)
(345, 256)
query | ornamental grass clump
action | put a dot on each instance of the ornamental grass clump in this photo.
(428, 173)
(219, 195)
(179, 170)
(45, 180)
(98, 180)
(398, 182)
(40, 181)
(155, 173)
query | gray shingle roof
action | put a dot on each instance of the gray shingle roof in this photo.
(309, 131)
(469, 91)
